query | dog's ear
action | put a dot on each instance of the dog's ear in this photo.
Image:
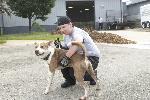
(50, 43)
(35, 43)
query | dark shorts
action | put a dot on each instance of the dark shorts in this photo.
(94, 61)
(68, 72)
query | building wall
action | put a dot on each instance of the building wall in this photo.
(16, 24)
(18, 21)
(105, 8)
(133, 11)
(102, 6)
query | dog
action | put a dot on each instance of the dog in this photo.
(79, 62)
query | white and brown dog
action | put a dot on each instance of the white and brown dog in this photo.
(79, 62)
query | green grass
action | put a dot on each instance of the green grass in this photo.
(30, 36)
(2, 41)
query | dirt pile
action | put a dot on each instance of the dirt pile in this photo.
(104, 37)
(108, 37)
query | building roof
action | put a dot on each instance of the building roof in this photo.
(136, 1)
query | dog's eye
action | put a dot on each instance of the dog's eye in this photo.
(42, 47)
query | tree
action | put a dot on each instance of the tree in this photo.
(4, 8)
(37, 9)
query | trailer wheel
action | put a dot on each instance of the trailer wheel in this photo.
(148, 25)
(143, 25)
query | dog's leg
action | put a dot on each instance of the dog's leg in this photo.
(79, 72)
(85, 86)
(50, 80)
(92, 73)
(86, 89)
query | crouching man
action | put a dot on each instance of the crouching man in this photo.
(72, 33)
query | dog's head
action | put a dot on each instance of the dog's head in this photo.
(42, 49)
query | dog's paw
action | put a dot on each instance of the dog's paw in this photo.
(98, 88)
(82, 98)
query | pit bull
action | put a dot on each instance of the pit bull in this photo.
(79, 62)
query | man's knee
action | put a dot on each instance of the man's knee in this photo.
(94, 61)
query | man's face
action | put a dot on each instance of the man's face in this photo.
(66, 28)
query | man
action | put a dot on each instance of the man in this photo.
(100, 23)
(72, 33)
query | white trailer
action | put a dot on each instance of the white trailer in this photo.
(145, 16)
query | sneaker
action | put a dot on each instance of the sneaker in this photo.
(92, 82)
(67, 84)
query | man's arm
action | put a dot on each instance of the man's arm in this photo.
(71, 51)
(66, 59)
(72, 48)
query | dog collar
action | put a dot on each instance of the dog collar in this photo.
(46, 58)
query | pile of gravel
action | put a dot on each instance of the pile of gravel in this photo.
(104, 37)
(108, 37)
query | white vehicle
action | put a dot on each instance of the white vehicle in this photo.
(145, 16)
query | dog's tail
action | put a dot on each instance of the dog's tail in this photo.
(79, 44)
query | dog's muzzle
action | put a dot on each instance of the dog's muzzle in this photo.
(37, 53)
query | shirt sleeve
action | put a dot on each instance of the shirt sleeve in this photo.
(77, 37)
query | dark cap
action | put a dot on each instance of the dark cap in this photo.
(63, 20)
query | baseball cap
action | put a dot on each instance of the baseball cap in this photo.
(63, 20)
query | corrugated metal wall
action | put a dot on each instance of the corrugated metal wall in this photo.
(59, 9)
(104, 6)
(109, 10)
(134, 11)
(16, 24)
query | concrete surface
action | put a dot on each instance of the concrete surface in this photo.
(142, 38)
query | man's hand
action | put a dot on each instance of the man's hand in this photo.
(57, 43)
(64, 61)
